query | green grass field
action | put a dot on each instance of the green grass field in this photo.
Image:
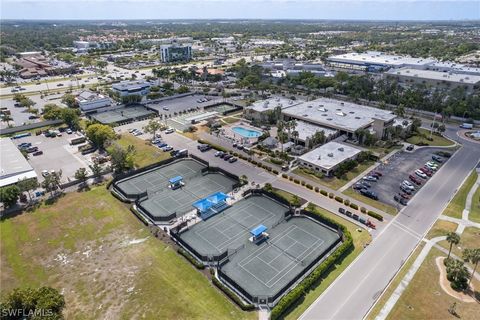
(335, 183)
(376, 204)
(360, 238)
(469, 239)
(475, 209)
(425, 299)
(92, 248)
(145, 153)
(437, 140)
(456, 206)
(441, 228)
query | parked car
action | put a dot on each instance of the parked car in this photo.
(432, 165)
(232, 160)
(348, 213)
(404, 195)
(170, 130)
(370, 178)
(218, 153)
(69, 131)
(407, 184)
(400, 200)
(369, 194)
(341, 210)
(410, 147)
(32, 149)
(38, 153)
(227, 157)
(421, 174)
(161, 145)
(426, 170)
(405, 189)
(415, 179)
(437, 158)
(222, 155)
(167, 148)
(377, 173)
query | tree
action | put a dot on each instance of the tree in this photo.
(7, 118)
(52, 182)
(9, 195)
(457, 274)
(96, 169)
(416, 123)
(31, 301)
(268, 187)
(28, 185)
(70, 117)
(243, 179)
(122, 159)
(182, 89)
(452, 238)
(295, 201)
(70, 101)
(52, 112)
(81, 174)
(98, 134)
(152, 127)
(472, 256)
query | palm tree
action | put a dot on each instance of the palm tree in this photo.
(452, 238)
(7, 118)
(295, 135)
(472, 256)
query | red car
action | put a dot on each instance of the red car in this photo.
(414, 179)
(371, 224)
(377, 173)
(426, 171)
(404, 195)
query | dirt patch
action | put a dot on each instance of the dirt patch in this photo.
(445, 284)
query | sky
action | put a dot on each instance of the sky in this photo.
(241, 9)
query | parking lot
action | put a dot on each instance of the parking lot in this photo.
(397, 169)
(58, 154)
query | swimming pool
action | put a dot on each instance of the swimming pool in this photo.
(247, 133)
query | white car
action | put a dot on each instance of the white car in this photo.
(167, 148)
(170, 130)
(408, 185)
(433, 168)
(420, 173)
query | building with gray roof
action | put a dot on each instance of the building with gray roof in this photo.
(13, 165)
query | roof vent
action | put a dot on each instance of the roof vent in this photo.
(310, 107)
(305, 115)
(342, 103)
(358, 118)
(330, 155)
(329, 119)
(319, 157)
(341, 149)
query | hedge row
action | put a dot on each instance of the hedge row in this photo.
(233, 296)
(303, 287)
(375, 215)
(339, 199)
(354, 206)
(190, 258)
(323, 192)
(214, 146)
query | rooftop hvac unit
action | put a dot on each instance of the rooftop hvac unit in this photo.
(341, 149)
(305, 115)
(319, 157)
(342, 103)
(330, 155)
(310, 107)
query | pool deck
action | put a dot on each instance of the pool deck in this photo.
(228, 131)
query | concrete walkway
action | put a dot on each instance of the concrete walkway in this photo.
(369, 169)
(462, 224)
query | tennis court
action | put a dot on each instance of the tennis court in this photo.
(264, 270)
(123, 114)
(231, 228)
(221, 108)
(158, 178)
(163, 201)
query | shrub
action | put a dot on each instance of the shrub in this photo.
(190, 258)
(275, 171)
(303, 183)
(339, 199)
(375, 215)
(331, 195)
(363, 209)
(233, 296)
(309, 186)
(323, 192)
(296, 181)
(284, 175)
(290, 178)
(353, 206)
(346, 202)
(254, 162)
(317, 189)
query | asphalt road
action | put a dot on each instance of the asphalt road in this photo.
(356, 290)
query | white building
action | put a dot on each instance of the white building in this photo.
(436, 79)
(327, 158)
(13, 165)
(127, 88)
(89, 101)
(262, 110)
(376, 61)
(342, 116)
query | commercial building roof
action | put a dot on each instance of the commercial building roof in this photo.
(89, 96)
(13, 165)
(336, 114)
(436, 75)
(330, 155)
(306, 130)
(131, 85)
(272, 103)
(380, 58)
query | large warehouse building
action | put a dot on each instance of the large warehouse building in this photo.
(13, 165)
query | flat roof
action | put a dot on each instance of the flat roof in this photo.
(131, 85)
(436, 75)
(306, 130)
(380, 58)
(330, 154)
(13, 165)
(86, 96)
(271, 103)
(336, 114)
